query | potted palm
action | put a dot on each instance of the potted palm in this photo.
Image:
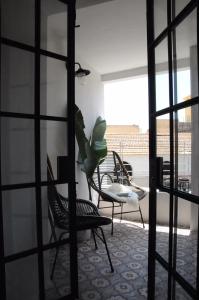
(92, 151)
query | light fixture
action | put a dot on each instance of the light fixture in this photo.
(81, 72)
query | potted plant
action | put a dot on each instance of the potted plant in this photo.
(92, 151)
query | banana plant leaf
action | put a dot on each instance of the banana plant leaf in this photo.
(93, 151)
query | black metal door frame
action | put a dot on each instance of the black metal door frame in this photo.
(37, 117)
(167, 34)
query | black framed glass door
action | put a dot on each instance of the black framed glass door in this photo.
(37, 119)
(173, 33)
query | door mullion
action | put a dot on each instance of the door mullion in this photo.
(71, 148)
(197, 272)
(175, 151)
(152, 150)
(171, 146)
(37, 149)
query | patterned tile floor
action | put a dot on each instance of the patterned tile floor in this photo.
(128, 247)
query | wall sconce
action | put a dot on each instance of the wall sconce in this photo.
(81, 72)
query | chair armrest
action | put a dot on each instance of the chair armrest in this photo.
(140, 191)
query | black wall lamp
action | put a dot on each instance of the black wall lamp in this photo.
(80, 71)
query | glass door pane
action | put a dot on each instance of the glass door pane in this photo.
(174, 198)
(162, 75)
(186, 59)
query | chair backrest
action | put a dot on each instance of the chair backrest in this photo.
(121, 168)
(56, 207)
(113, 169)
(117, 173)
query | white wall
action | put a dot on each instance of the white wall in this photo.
(90, 99)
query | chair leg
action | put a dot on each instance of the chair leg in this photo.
(108, 254)
(54, 263)
(121, 212)
(53, 236)
(98, 202)
(93, 233)
(113, 206)
(55, 259)
(141, 217)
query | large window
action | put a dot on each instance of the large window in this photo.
(126, 113)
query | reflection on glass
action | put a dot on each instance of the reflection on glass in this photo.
(18, 20)
(187, 171)
(59, 285)
(19, 220)
(22, 279)
(53, 144)
(186, 54)
(162, 226)
(180, 293)
(56, 227)
(160, 16)
(17, 80)
(179, 5)
(54, 26)
(187, 234)
(162, 75)
(53, 90)
(161, 280)
(163, 147)
(184, 129)
(50, 233)
(17, 150)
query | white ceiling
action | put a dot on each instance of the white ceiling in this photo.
(112, 35)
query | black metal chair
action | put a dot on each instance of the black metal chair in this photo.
(113, 170)
(88, 217)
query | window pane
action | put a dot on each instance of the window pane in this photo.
(161, 279)
(183, 148)
(162, 226)
(17, 80)
(53, 87)
(19, 220)
(180, 293)
(22, 279)
(18, 20)
(179, 5)
(163, 148)
(186, 54)
(54, 26)
(186, 147)
(187, 234)
(53, 144)
(160, 16)
(17, 150)
(59, 285)
(49, 213)
(162, 75)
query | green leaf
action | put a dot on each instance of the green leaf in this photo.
(80, 135)
(93, 151)
(98, 130)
